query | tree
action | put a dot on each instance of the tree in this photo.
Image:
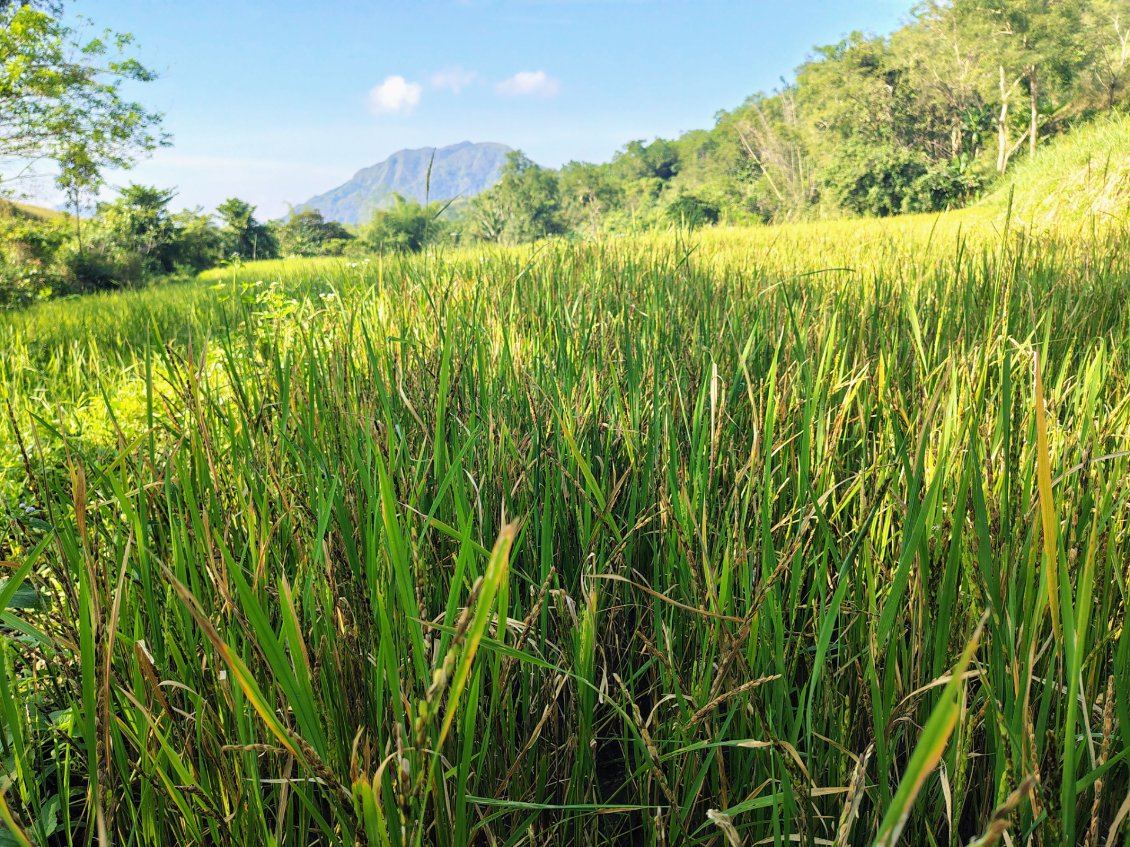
(405, 227)
(587, 192)
(1108, 21)
(524, 205)
(62, 101)
(771, 134)
(136, 237)
(690, 211)
(638, 160)
(196, 242)
(138, 225)
(1026, 44)
(951, 114)
(852, 89)
(307, 233)
(241, 234)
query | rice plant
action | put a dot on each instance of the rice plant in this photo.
(809, 535)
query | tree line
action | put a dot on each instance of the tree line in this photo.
(917, 121)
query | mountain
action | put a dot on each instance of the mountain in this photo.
(461, 170)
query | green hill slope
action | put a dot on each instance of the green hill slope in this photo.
(1083, 174)
(8, 207)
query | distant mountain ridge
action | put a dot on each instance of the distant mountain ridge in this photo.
(459, 170)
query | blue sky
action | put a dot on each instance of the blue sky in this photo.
(275, 102)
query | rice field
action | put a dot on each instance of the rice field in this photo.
(809, 535)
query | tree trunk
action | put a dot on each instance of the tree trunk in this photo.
(78, 220)
(1034, 105)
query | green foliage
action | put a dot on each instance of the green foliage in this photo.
(61, 98)
(690, 211)
(307, 233)
(241, 235)
(640, 541)
(523, 206)
(132, 240)
(658, 160)
(405, 227)
(589, 193)
(135, 238)
(866, 179)
(28, 246)
(138, 225)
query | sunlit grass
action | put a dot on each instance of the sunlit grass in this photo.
(747, 536)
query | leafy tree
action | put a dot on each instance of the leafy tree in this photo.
(139, 225)
(692, 212)
(949, 113)
(307, 233)
(588, 193)
(197, 244)
(1032, 45)
(62, 101)
(523, 206)
(853, 89)
(866, 179)
(1108, 59)
(779, 169)
(137, 237)
(659, 160)
(405, 227)
(241, 234)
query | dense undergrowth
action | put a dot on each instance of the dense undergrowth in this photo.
(771, 536)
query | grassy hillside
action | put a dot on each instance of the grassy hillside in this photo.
(39, 212)
(766, 536)
(1081, 176)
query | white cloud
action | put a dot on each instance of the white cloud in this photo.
(453, 79)
(529, 84)
(395, 94)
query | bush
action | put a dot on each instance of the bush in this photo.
(881, 181)
(692, 211)
(93, 270)
(24, 284)
(406, 227)
(946, 185)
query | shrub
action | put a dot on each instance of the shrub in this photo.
(866, 179)
(946, 185)
(692, 211)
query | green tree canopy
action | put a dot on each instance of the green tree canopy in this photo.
(405, 227)
(241, 234)
(307, 233)
(62, 101)
(524, 205)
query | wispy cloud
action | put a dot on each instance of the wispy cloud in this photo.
(453, 79)
(395, 94)
(529, 84)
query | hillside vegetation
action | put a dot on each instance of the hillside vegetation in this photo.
(815, 533)
(1083, 175)
(14, 209)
